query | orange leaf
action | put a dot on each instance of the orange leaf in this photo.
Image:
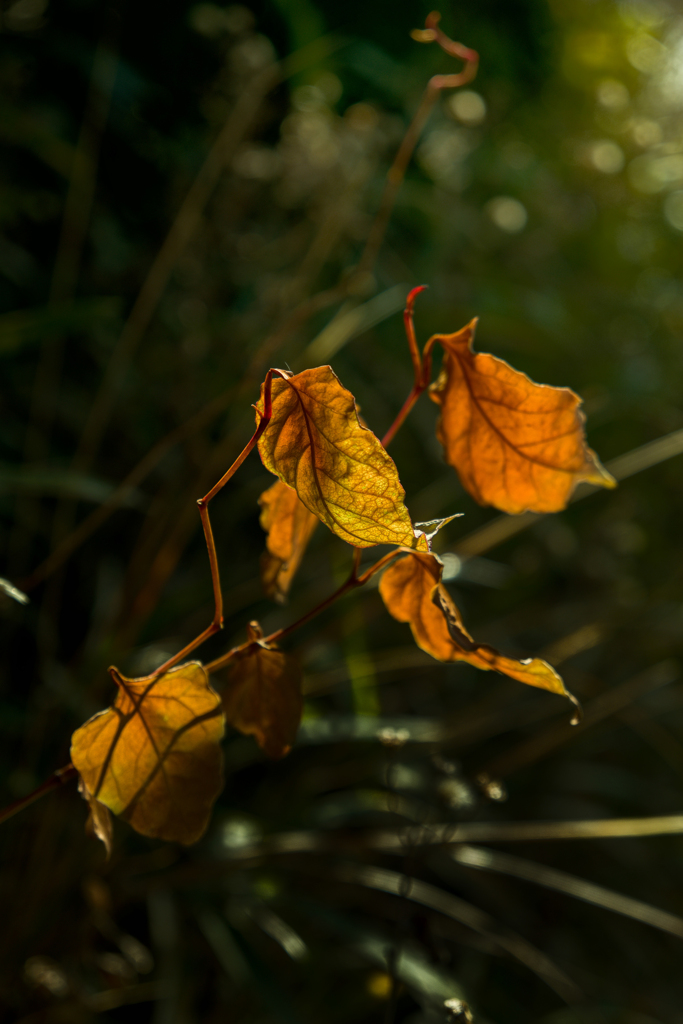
(316, 444)
(154, 757)
(263, 695)
(516, 445)
(289, 526)
(412, 591)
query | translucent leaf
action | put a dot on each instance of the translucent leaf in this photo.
(412, 591)
(263, 695)
(289, 526)
(316, 444)
(154, 757)
(516, 445)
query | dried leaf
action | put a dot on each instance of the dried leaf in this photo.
(430, 529)
(289, 526)
(154, 757)
(342, 474)
(412, 591)
(516, 445)
(99, 823)
(263, 695)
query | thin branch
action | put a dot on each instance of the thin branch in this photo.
(91, 523)
(56, 780)
(203, 503)
(351, 583)
(422, 365)
(399, 167)
(184, 226)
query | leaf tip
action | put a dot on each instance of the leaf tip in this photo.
(578, 710)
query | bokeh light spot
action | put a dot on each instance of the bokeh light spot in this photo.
(507, 213)
(673, 209)
(612, 94)
(379, 985)
(468, 107)
(606, 156)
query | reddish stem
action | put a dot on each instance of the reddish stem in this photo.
(56, 780)
(422, 365)
(203, 503)
(409, 324)
(350, 584)
(405, 409)
(399, 167)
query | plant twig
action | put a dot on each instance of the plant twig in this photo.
(56, 780)
(397, 171)
(351, 583)
(216, 623)
(422, 365)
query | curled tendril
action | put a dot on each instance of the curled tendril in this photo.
(433, 34)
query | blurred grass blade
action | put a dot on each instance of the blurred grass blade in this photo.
(281, 932)
(478, 920)
(349, 322)
(23, 326)
(531, 831)
(61, 483)
(413, 970)
(448, 834)
(226, 950)
(333, 728)
(13, 592)
(551, 878)
(541, 744)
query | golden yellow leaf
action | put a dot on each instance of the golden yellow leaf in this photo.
(316, 444)
(516, 445)
(263, 695)
(412, 591)
(154, 757)
(289, 526)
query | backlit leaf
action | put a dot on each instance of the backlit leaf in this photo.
(289, 526)
(412, 591)
(516, 445)
(342, 474)
(263, 695)
(154, 757)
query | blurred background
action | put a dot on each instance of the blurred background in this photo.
(184, 191)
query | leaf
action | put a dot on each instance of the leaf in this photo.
(99, 823)
(263, 695)
(412, 591)
(430, 529)
(316, 444)
(289, 526)
(516, 445)
(154, 758)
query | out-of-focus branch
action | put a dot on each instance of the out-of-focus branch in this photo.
(397, 171)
